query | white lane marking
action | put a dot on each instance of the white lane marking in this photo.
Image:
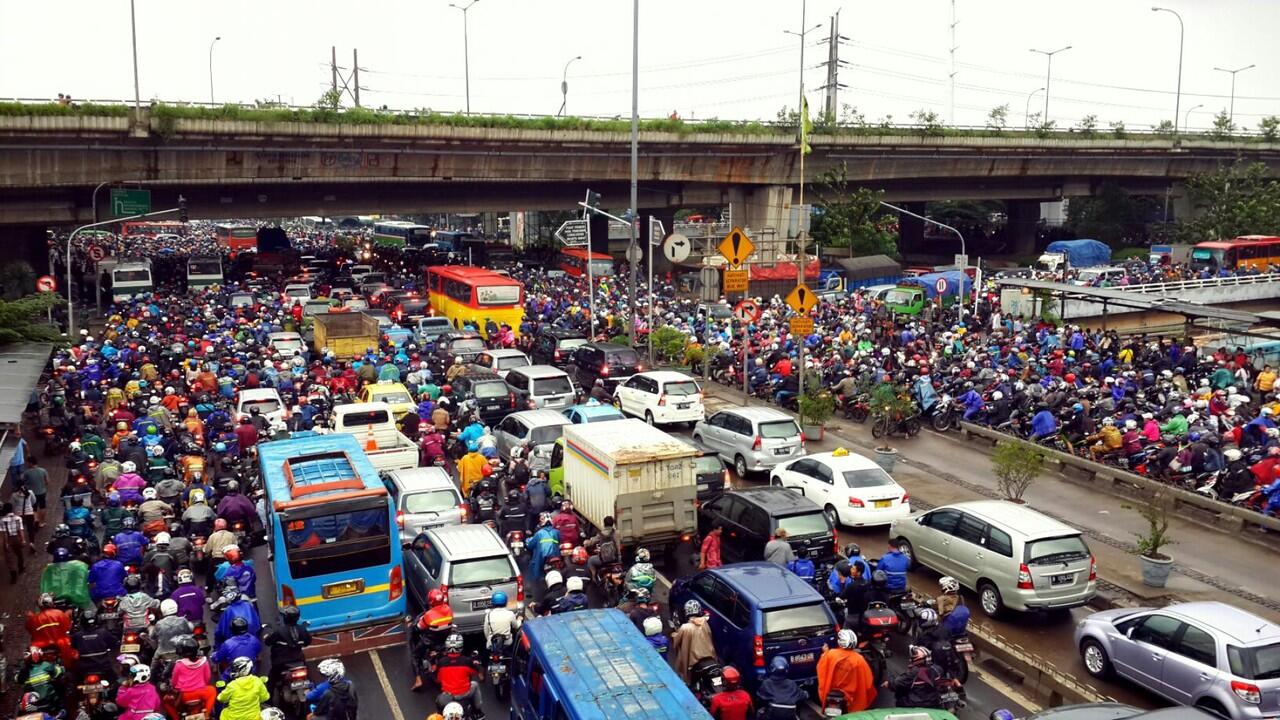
(386, 685)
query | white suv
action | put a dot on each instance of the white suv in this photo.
(660, 397)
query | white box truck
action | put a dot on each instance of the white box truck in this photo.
(643, 477)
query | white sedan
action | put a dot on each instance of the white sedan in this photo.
(266, 401)
(852, 490)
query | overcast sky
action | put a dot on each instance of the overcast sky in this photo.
(701, 58)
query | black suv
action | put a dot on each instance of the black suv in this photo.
(555, 346)
(490, 394)
(604, 361)
(466, 345)
(752, 515)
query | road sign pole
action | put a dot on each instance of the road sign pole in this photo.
(649, 336)
(746, 355)
(591, 285)
(97, 288)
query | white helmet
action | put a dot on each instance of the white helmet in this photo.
(573, 584)
(1232, 454)
(554, 578)
(847, 639)
(452, 711)
(997, 395)
(149, 493)
(652, 625)
(169, 607)
(948, 584)
(162, 538)
(128, 467)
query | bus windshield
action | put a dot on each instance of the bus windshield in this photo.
(340, 542)
(204, 267)
(498, 295)
(120, 276)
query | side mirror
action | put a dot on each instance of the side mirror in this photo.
(1129, 632)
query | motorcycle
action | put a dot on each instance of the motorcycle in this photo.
(962, 647)
(611, 579)
(515, 541)
(500, 667)
(878, 622)
(908, 608)
(291, 695)
(856, 410)
(948, 414)
(884, 426)
(834, 705)
(707, 679)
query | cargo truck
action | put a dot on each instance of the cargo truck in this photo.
(911, 294)
(375, 427)
(1169, 254)
(346, 335)
(1063, 255)
(640, 475)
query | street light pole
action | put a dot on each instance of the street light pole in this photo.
(635, 165)
(801, 111)
(1232, 112)
(564, 85)
(133, 31)
(466, 49)
(1182, 37)
(1186, 119)
(963, 250)
(1026, 112)
(1048, 75)
(215, 41)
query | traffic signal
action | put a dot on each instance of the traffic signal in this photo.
(182, 209)
(593, 199)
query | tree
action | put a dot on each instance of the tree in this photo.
(24, 319)
(1046, 128)
(330, 100)
(1165, 128)
(1270, 128)
(851, 217)
(1242, 199)
(998, 118)
(849, 115)
(1117, 129)
(1111, 215)
(1222, 126)
(1016, 465)
(1088, 125)
(929, 121)
(17, 278)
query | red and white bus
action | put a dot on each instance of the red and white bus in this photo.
(574, 262)
(237, 237)
(152, 229)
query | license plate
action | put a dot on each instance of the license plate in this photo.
(90, 689)
(108, 617)
(964, 647)
(1061, 579)
(517, 545)
(299, 684)
(682, 406)
(782, 451)
(197, 716)
(802, 658)
(883, 503)
(481, 604)
(703, 487)
(497, 669)
(130, 648)
(908, 605)
(342, 589)
(950, 697)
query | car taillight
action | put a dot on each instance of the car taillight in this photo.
(1247, 692)
(1024, 578)
(639, 367)
(465, 512)
(397, 582)
(298, 673)
(1093, 568)
(519, 588)
(444, 590)
(557, 354)
(287, 597)
(604, 370)
(662, 399)
(512, 398)
(727, 485)
(400, 519)
(906, 498)
(756, 445)
(758, 651)
(855, 502)
(835, 540)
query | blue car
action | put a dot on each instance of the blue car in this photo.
(593, 411)
(398, 336)
(758, 611)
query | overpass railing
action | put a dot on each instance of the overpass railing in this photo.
(1202, 283)
(1214, 513)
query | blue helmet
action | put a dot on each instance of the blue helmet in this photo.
(1193, 436)
(1077, 407)
(220, 447)
(778, 667)
(61, 554)
(498, 599)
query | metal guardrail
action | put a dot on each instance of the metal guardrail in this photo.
(1201, 283)
(1221, 516)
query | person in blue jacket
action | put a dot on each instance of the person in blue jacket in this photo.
(972, 402)
(544, 543)
(238, 569)
(241, 643)
(857, 563)
(106, 577)
(1043, 424)
(894, 564)
(130, 543)
(237, 606)
(471, 434)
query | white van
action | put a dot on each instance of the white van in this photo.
(203, 271)
(1095, 276)
(129, 279)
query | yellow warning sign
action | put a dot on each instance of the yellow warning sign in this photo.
(802, 299)
(736, 247)
(801, 326)
(734, 281)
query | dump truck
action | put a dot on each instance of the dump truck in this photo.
(346, 335)
(640, 475)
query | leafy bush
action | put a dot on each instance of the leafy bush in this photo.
(1156, 513)
(668, 342)
(622, 340)
(816, 406)
(1016, 465)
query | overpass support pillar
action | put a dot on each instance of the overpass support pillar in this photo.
(30, 244)
(1024, 219)
(761, 208)
(911, 229)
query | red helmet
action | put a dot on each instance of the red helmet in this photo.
(232, 554)
(109, 550)
(580, 556)
(435, 597)
(486, 470)
(1070, 377)
(446, 389)
(731, 677)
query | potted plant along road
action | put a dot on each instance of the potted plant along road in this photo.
(816, 408)
(1156, 565)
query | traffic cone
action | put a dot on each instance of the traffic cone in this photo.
(370, 443)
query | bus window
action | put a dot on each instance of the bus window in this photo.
(337, 543)
(123, 276)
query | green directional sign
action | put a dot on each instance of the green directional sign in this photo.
(130, 202)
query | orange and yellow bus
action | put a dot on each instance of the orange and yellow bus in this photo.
(574, 262)
(470, 295)
(152, 229)
(1253, 252)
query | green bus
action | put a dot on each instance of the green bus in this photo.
(400, 233)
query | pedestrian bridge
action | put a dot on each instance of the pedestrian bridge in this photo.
(1194, 299)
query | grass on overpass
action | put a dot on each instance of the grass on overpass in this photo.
(165, 113)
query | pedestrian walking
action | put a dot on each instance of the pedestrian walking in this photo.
(15, 537)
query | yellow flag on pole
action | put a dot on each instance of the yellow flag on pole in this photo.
(806, 126)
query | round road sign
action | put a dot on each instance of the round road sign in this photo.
(676, 248)
(46, 283)
(941, 285)
(96, 253)
(635, 253)
(747, 311)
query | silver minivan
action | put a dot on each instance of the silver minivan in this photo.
(1011, 555)
(425, 497)
(471, 562)
(541, 386)
(536, 430)
(751, 438)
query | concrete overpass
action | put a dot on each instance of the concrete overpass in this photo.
(51, 165)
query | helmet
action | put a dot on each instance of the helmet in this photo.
(61, 554)
(233, 486)
(435, 597)
(220, 447)
(46, 600)
(554, 578)
(270, 713)
(919, 654)
(642, 555)
(879, 577)
(498, 599)
(142, 673)
(290, 614)
(163, 538)
(128, 467)
(74, 446)
(642, 594)
(30, 703)
(1232, 454)
(453, 643)
(231, 553)
(928, 618)
(948, 584)
(997, 395)
(240, 667)
(332, 668)
(239, 626)
(1193, 436)
(133, 583)
(452, 711)
(731, 677)
(89, 617)
(187, 647)
(149, 493)
(847, 639)
(168, 607)
(62, 530)
(573, 584)
(109, 550)
(852, 550)
(544, 519)
(579, 556)
(778, 666)
(692, 608)
(1000, 714)
(197, 496)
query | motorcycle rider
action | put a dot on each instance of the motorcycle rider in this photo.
(235, 568)
(106, 577)
(42, 675)
(692, 641)
(235, 507)
(641, 574)
(159, 567)
(605, 544)
(500, 622)
(575, 598)
(286, 641)
(189, 596)
(242, 698)
(180, 548)
(198, 518)
(191, 678)
(241, 644)
(639, 607)
(551, 595)
(843, 669)
(66, 579)
(861, 594)
(167, 629)
(95, 647)
(130, 543)
(566, 523)
(731, 703)
(513, 516)
(62, 539)
(432, 628)
(919, 685)
(137, 697)
(334, 698)
(779, 695)
(50, 627)
(894, 564)
(113, 517)
(79, 519)
(544, 544)
(235, 605)
(458, 675)
(215, 546)
(652, 629)
(136, 606)
(949, 599)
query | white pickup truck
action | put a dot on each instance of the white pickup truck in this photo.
(374, 425)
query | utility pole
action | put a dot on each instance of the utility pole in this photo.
(333, 67)
(831, 106)
(635, 166)
(355, 75)
(954, 47)
(803, 110)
